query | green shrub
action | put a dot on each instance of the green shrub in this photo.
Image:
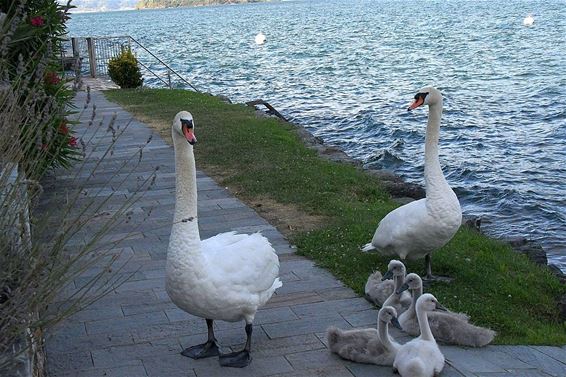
(124, 70)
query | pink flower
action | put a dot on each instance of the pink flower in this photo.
(52, 78)
(37, 21)
(73, 141)
(63, 129)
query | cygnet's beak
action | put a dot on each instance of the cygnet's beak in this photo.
(395, 323)
(402, 288)
(388, 275)
(440, 307)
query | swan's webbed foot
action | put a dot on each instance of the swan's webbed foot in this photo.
(429, 277)
(201, 351)
(208, 349)
(239, 359)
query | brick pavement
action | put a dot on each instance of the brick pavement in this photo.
(136, 330)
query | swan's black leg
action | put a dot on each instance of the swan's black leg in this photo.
(428, 266)
(208, 349)
(241, 358)
(430, 278)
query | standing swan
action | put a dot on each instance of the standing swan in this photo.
(367, 345)
(421, 357)
(226, 277)
(423, 226)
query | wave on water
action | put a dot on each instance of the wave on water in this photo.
(346, 70)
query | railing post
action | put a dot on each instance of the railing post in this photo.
(91, 56)
(75, 45)
(169, 79)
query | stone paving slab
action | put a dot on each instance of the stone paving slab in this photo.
(136, 331)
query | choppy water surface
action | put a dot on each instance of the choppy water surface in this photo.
(346, 70)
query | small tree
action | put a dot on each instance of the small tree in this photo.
(124, 70)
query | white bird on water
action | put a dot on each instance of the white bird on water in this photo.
(260, 38)
(529, 20)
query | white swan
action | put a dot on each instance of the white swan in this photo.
(422, 226)
(529, 20)
(400, 301)
(448, 327)
(226, 277)
(421, 357)
(369, 346)
(377, 290)
(260, 38)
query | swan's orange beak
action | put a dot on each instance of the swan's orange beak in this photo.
(189, 134)
(418, 102)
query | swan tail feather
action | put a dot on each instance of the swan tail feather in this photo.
(333, 334)
(480, 336)
(377, 291)
(277, 284)
(368, 247)
(470, 335)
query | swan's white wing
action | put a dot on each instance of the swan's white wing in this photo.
(402, 229)
(243, 261)
(221, 240)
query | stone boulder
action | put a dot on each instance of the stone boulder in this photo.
(533, 250)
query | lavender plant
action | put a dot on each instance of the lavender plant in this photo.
(48, 241)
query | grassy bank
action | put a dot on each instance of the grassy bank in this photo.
(329, 209)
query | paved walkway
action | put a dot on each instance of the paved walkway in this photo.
(137, 331)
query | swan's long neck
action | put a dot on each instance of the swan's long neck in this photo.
(435, 183)
(185, 238)
(422, 317)
(398, 282)
(382, 330)
(416, 293)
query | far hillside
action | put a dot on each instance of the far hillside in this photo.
(188, 3)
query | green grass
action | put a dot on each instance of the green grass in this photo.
(263, 158)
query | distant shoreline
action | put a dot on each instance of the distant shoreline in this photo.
(160, 4)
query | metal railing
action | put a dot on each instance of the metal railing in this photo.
(94, 54)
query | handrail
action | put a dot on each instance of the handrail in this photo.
(155, 74)
(105, 49)
(269, 107)
(162, 62)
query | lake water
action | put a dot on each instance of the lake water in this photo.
(347, 69)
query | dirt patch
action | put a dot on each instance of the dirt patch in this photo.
(287, 218)
(164, 130)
